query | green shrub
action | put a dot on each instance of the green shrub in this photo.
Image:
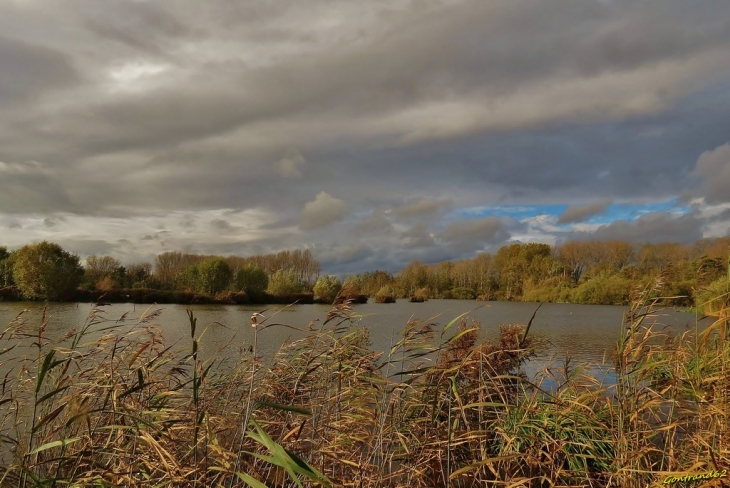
(463, 293)
(284, 282)
(551, 291)
(214, 275)
(714, 298)
(252, 280)
(327, 288)
(606, 290)
(386, 294)
(44, 271)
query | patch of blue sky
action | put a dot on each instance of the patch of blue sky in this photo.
(615, 211)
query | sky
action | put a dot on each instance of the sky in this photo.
(371, 132)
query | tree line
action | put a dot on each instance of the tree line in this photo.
(592, 272)
(45, 271)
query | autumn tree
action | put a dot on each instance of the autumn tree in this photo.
(99, 269)
(370, 282)
(44, 271)
(462, 274)
(302, 263)
(6, 267)
(413, 277)
(305, 266)
(580, 257)
(284, 282)
(327, 288)
(188, 279)
(169, 266)
(619, 254)
(214, 275)
(138, 275)
(252, 280)
(519, 264)
(352, 286)
(441, 277)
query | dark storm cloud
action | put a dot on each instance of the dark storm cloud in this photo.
(123, 23)
(376, 223)
(223, 226)
(320, 113)
(653, 227)
(87, 247)
(30, 71)
(350, 254)
(720, 217)
(581, 213)
(187, 222)
(418, 237)
(20, 192)
(370, 76)
(474, 235)
(421, 208)
(289, 221)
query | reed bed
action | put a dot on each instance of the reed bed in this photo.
(110, 404)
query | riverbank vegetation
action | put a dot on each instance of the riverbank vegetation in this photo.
(111, 404)
(589, 272)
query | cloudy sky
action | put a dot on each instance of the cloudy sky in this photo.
(371, 132)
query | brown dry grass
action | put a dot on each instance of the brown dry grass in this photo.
(106, 407)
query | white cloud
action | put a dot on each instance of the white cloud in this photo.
(323, 210)
(137, 75)
(144, 236)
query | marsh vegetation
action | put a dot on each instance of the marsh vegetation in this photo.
(112, 404)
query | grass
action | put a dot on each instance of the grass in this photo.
(111, 404)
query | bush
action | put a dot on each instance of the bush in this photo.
(327, 288)
(386, 294)
(604, 290)
(462, 293)
(714, 298)
(550, 291)
(44, 271)
(214, 275)
(421, 295)
(252, 280)
(284, 282)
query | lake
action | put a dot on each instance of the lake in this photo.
(586, 333)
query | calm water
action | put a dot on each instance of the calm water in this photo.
(586, 333)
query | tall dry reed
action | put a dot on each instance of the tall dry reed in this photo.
(110, 404)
